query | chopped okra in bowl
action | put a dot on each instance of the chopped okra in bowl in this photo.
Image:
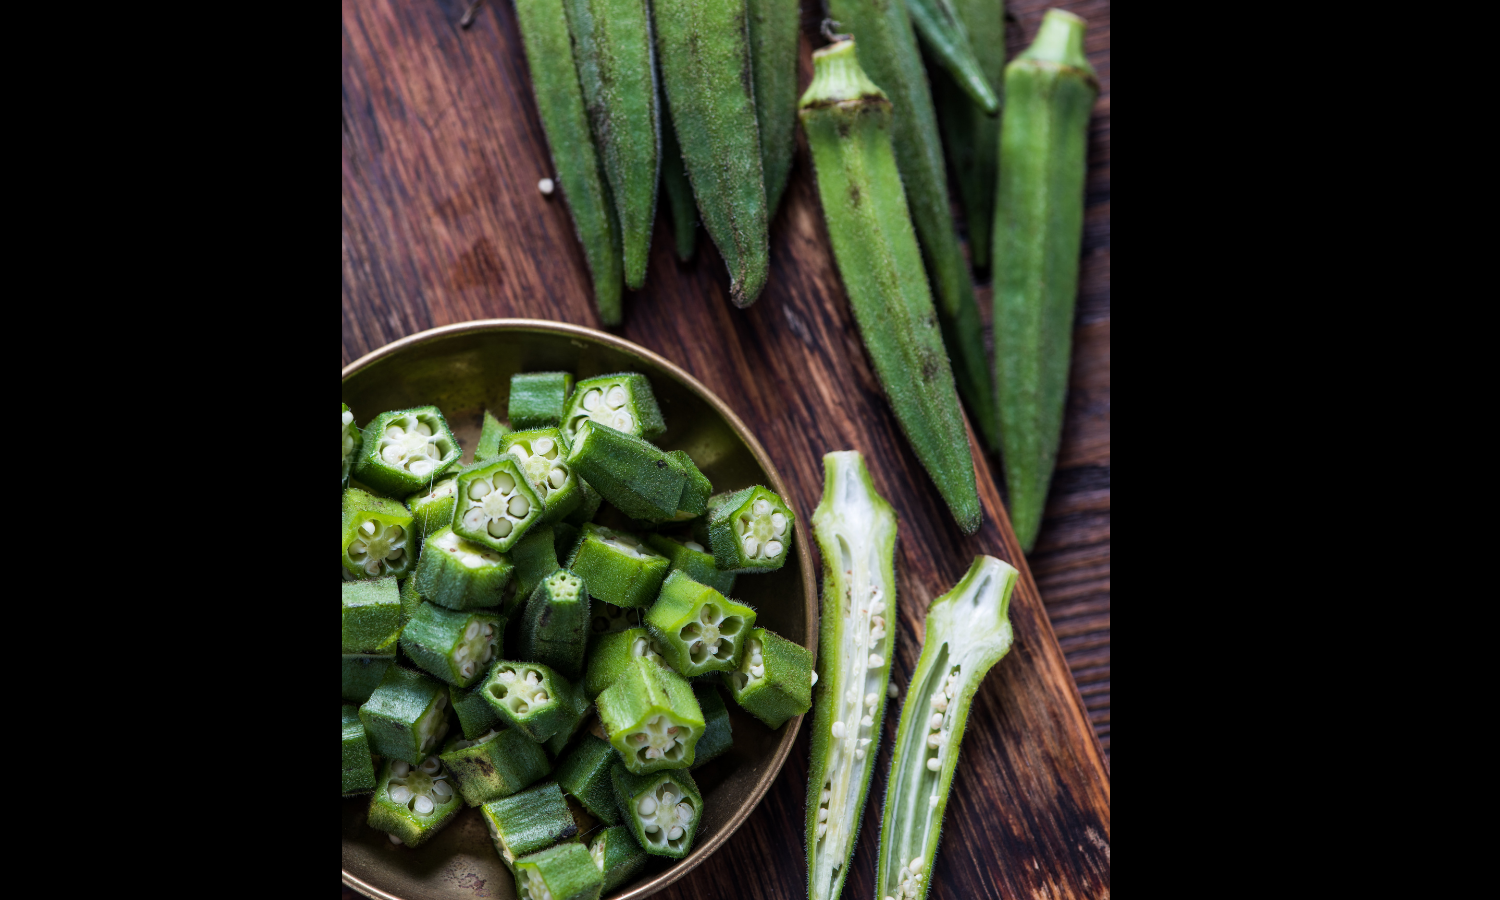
(580, 619)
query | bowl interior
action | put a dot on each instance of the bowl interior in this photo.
(466, 369)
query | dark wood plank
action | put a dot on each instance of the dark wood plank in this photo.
(442, 222)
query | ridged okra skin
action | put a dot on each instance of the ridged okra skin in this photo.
(535, 557)
(495, 765)
(856, 532)
(971, 137)
(774, 680)
(454, 646)
(662, 810)
(581, 704)
(629, 472)
(564, 538)
(942, 30)
(352, 440)
(526, 822)
(412, 803)
(611, 656)
(542, 454)
(617, 856)
(476, 717)
(363, 671)
(718, 736)
(773, 54)
(651, 717)
(580, 172)
(693, 560)
(968, 631)
(458, 573)
(583, 773)
(848, 124)
(411, 598)
(1050, 91)
(674, 181)
(405, 716)
(624, 401)
(496, 505)
(750, 530)
(564, 872)
(699, 629)
(617, 566)
(555, 625)
(371, 614)
(531, 697)
(586, 510)
(490, 434)
(537, 399)
(359, 768)
(404, 450)
(433, 509)
(696, 487)
(705, 63)
(379, 540)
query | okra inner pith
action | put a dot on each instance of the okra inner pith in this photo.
(380, 548)
(711, 635)
(421, 788)
(415, 443)
(762, 532)
(521, 693)
(666, 816)
(494, 503)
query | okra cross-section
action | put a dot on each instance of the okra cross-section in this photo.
(526, 822)
(612, 654)
(693, 560)
(413, 802)
(496, 765)
(543, 456)
(617, 566)
(454, 646)
(623, 401)
(619, 858)
(774, 682)
(651, 717)
(555, 625)
(537, 398)
(404, 450)
(405, 716)
(359, 770)
(461, 574)
(351, 443)
(433, 508)
(379, 540)
(531, 697)
(564, 872)
(496, 505)
(630, 472)
(749, 530)
(662, 810)
(700, 629)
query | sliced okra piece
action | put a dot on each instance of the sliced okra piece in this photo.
(624, 401)
(700, 629)
(555, 625)
(405, 450)
(352, 440)
(535, 557)
(693, 560)
(537, 398)
(475, 716)
(611, 656)
(651, 717)
(372, 614)
(564, 872)
(461, 574)
(379, 538)
(413, 802)
(968, 631)
(617, 566)
(696, 488)
(359, 768)
(531, 697)
(457, 647)
(774, 681)
(583, 773)
(581, 703)
(490, 434)
(496, 505)
(588, 507)
(542, 454)
(662, 810)
(750, 530)
(405, 716)
(630, 472)
(363, 671)
(497, 764)
(717, 737)
(433, 509)
(411, 598)
(618, 856)
(526, 822)
(607, 618)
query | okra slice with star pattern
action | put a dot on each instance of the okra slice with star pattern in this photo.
(555, 624)
(359, 768)
(413, 802)
(405, 450)
(531, 697)
(528, 821)
(496, 505)
(661, 810)
(454, 646)
(700, 629)
(543, 456)
(583, 774)
(563, 872)
(630, 472)
(619, 858)
(651, 717)
(497, 764)
(363, 671)
(617, 566)
(750, 530)
(537, 399)
(352, 440)
(490, 434)
(774, 681)
(371, 614)
(405, 717)
(458, 573)
(379, 539)
(693, 560)
(612, 654)
(433, 509)
(623, 401)
(717, 737)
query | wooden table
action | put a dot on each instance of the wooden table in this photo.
(442, 222)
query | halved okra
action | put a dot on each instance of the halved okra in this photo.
(583, 774)
(412, 803)
(611, 656)
(542, 454)
(531, 697)
(662, 810)
(717, 737)
(564, 872)
(693, 560)
(475, 716)
(700, 629)
(619, 858)
(359, 769)
(537, 398)
(630, 472)
(651, 717)
(528, 821)
(458, 573)
(555, 625)
(379, 539)
(352, 439)
(454, 646)
(490, 434)
(405, 716)
(496, 505)
(405, 450)
(774, 681)
(371, 614)
(749, 530)
(535, 557)
(624, 401)
(497, 764)
(363, 671)
(433, 509)
(617, 566)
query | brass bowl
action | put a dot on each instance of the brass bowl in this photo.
(464, 369)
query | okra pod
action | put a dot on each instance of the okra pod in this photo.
(496, 504)
(351, 444)
(555, 625)
(612, 653)
(774, 681)
(379, 540)
(363, 671)
(405, 450)
(617, 69)
(560, 105)
(856, 532)
(773, 55)
(968, 631)
(624, 401)
(584, 775)
(535, 557)
(413, 802)
(537, 399)
(674, 181)
(475, 717)
(718, 736)
(564, 872)
(971, 137)
(433, 509)
(454, 646)
(619, 858)
(943, 31)
(617, 567)
(848, 124)
(490, 434)
(580, 703)
(706, 69)
(748, 530)
(531, 697)
(662, 810)
(496, 765)
(651, 717)
(542, 454)
(1050, 91)
(359, 769)
(461, 574)
(371, 614)
(526, 822)
(411, 598)
(699, 629)
(693, 560)
(405, 717)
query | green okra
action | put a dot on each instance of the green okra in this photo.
(624, 401)
(706, 69)
(537, 399)
(433, 509)
(583, 773)
(967, 632)
(359, 768)
(718, 736)
(651, 717)
(580, 703)
(531, 697)
(363, 671)
(413, 802)
(564, 538)
(458, 573)
(699, 629)
(497, 764)
(456, 647)
(942, 30)
(848, 124)
(555, 624)
(773, 56)
(405, 450)
(856, 532)
(535, 557)
(411, 598)
(888, 53)
(696, 487)
(971, 137)
(475, 716)
(490, 435)
(379, 540)
(542, 454)
(586, 510)
(693, 560)
(614, 51)
(611, 655)
(674, 181)
(619, 858)
(560, 105)
(371, 614)
(1050, 91)
(405, 717)
(564, 872)
(496, 505)
(606, 619)
(617, 566)
(352, 440)
(662, 810)
(749, 530)
(774, 680)
(528, 821)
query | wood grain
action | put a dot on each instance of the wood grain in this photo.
(442, 222)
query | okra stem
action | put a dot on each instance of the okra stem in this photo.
(946, 37)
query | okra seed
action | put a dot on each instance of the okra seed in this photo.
(368, 528)
(762, 507)
(500, 527)
(616, 397)
(933, 740)
(422, 467)
(892, 691)
(838, 729)
(773, 549)
(814, 677)
(623, 422)
(752, 546)
(647, 806)
(650, 828)
(933, 765)
(758, 671)
(473, 631)
(591, 400)
(395, 840)
(870, 699)
(916, 866)
(778, 524)
(859, 754)
(694, 545)
(822, 830)
(876, 661)
(442, 792)
(933, 801)
(867, 721)
(478, 490)
(400, 794)
(423, 806)
(935, 722)
(675, 833)
(519, 506)
(827, 795)
(557, 477)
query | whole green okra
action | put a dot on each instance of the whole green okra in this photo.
(971, 137)
(674, 181)
(773, 54)
(943, 31)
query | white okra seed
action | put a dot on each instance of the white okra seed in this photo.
(876, 661)
(916, 866)
(838, 729)
(368, 528)
(400, 768)
(519, 506)
(933, 740)
(423, 806)
(827, 795)
(823, 814)
(870, 698)
(650, 828)
(815, 676)
(867, 721)
(472, 631)
(859, 754)
(394, 839)
(647, 806)
(758, 671)
(694, 545)
(935, 722)
(675, 833)
(822, 829)
(773, 548)
(933, 801)
(400, 794)
(751, 545)
(933, 765)
(616, 396)
(591, 400)
(762, 507)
